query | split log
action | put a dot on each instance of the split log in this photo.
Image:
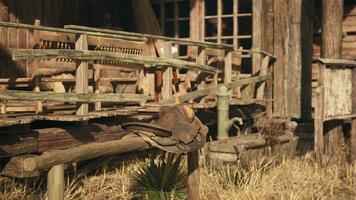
(72, 97)
(26, 54)
(85, 152)
(204, 92)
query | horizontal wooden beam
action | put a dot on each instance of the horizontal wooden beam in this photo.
(337, 62)
(27, 54)
(85, 152)
(204, 92)
(61, 30)
(179, 41)
(72, 97)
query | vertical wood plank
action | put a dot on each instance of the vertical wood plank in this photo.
(34, 69)
(353, 122)
(81, 75)
(294, 63)
(193, 175)
(256, 35)
(280, 30)
(235, 23)
(319, 117)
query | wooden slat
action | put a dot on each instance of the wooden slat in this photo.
(22, 54)
(204, 92)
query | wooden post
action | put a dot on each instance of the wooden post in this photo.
(81, 74)
(280, 41)
(55, 182)
(167, 88)
(193, 175)
(319, 116)
(294, 60)
(353, 122)
(228, 69)
(34, 70)
(331, 47)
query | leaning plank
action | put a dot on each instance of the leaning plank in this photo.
(204, 92)
(72, 97)
(26, 54)
(85, 152)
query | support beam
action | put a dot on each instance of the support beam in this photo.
(85, 152)
(55, 182)
(294, 60)
(81, 75)
(280, 42)
(331, 47)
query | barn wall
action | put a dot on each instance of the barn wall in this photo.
(54, 13)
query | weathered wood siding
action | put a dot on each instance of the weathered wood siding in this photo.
(337, 91)
(348, 39)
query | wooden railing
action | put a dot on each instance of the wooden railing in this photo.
(126, 60)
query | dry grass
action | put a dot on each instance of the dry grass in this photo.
(282, 178)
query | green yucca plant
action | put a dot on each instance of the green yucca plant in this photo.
(163, 179)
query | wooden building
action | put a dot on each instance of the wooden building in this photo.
(69, 65)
